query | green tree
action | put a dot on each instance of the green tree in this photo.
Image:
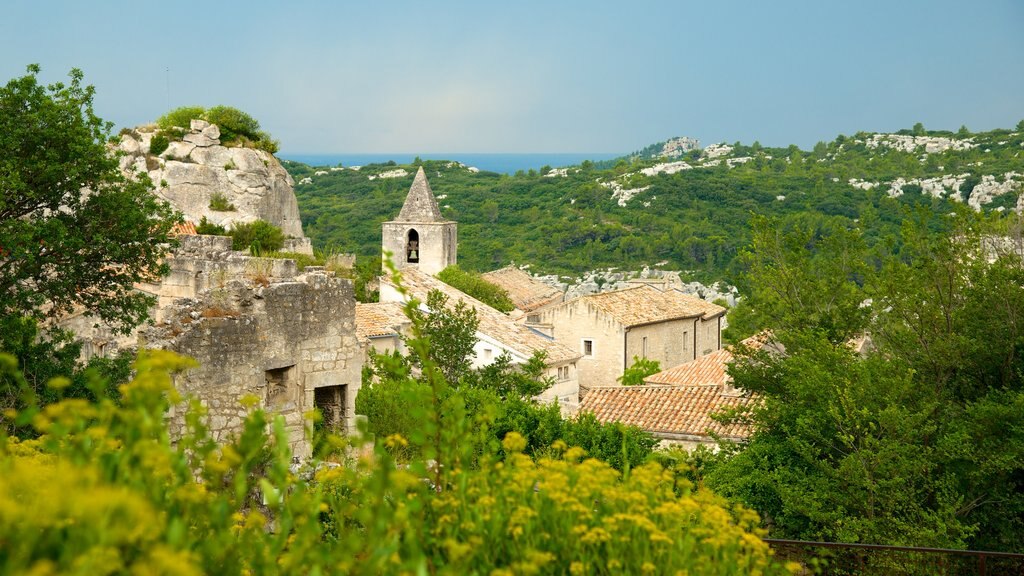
(641, 368)
(74, 231)
(450, 333)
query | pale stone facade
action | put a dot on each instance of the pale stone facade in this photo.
(420, 237)
(610, 329)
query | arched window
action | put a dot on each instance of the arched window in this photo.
(412, 248)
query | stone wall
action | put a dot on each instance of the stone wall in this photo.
(290, 344)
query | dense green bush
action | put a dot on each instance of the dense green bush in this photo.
(158, 144)
(207, 227)
(236, 127)
(219, 203)
(257, 236)
(181, 118)
(476, 286)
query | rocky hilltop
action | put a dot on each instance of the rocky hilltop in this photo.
(200, 177)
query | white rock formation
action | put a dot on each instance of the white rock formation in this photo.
(192, 170)
(931, 144)
(716, 150)
(677, 147)
(666, 168)
(396, 173)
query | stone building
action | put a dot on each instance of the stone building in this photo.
(498, 334)
(380, 326)
(420, 237)
(608, 330)
(422, 243)
(257, 326)
(527, 293)
(676, 405)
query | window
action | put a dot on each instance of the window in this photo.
(563, 373)
(488, 354)
(643, 347)
(588, 347)
(533, 318)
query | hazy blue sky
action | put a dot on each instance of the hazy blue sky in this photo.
(535, 76)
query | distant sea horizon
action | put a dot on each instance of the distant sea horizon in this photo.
(497, 162)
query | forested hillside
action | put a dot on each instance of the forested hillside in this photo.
(691, 212)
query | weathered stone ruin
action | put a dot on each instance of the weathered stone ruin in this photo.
(288, 341)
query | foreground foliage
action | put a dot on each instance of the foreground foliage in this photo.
(104, 490)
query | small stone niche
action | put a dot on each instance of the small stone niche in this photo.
(330, 400)
(282, 387)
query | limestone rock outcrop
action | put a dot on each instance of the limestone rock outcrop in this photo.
(195, 169)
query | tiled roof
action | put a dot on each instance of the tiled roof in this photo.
(183, 228)
(708, 370)
(378, 319)
(645, 304)
(667, 409)
(493, 323)
(527, 292)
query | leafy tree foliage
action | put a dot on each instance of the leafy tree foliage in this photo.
(499, 395)
(476, 286)
(74, 231)
(916, 440)
(640, 369)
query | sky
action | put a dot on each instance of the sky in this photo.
(536, 76)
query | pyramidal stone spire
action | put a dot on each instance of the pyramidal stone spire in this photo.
(420, 205)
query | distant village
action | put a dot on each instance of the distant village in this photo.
(297, 340)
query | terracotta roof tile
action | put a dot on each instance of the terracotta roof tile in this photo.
(493, 323)
(708, 370)
(645, 304)
(379, 319)
(667, 409)
(184, 228)
(527, 292)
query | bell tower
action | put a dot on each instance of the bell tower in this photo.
(420, 236)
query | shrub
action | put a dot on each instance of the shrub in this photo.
(474, 284)
(158, 144)
(181, 117)
(219, 203)
(207, 227)
(257, 236)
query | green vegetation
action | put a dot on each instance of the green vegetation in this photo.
(919, 440)
(697, 220)
(256, 236)
(236, 127)
(207, 227)
(158, 143)
(61, 249)
(219, 203)
(640, 369)
(473, 284)
(104, 486)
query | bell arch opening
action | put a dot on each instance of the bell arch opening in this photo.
(412, 247)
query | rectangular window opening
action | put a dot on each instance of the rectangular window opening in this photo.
(588, 347)
(330, 401)
(282, 387)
